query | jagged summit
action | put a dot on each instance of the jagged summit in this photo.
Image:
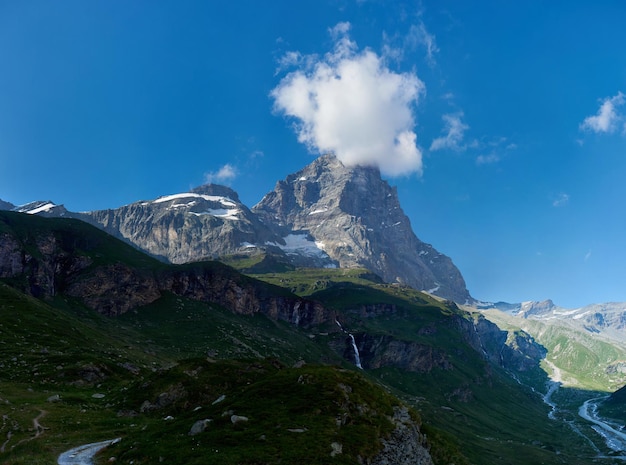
(216, 190)
(355, 216)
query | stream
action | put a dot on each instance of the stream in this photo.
(83, 455)
(612, 434)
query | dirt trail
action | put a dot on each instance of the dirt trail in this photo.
(39, 430)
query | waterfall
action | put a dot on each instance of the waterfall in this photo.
(295, 317)
(357, 357)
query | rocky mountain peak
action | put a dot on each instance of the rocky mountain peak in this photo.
(216, 190)
(38, 207)
(355, 217)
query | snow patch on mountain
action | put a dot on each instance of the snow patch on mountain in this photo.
(300, 244)
(211, 198)
(43, 208)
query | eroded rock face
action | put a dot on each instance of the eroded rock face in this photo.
(11, 258)
(356, 218)
(202, 224)
(115, 289)
(378, 351)
(46, 264)
(406, 445)
(516, 351)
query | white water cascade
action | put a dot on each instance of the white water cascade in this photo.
(357, 355)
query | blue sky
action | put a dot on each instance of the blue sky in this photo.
(502, 123)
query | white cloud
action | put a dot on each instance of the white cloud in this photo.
(454, 129)
(588, 255)
(351, 104)
(608, 117)
(561, 200)
(224, 175)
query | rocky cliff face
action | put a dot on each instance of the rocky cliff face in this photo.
(203, 224)
(356, 218)
(516, 351)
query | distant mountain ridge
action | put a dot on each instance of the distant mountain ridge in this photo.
(606, 319)
(326, 215)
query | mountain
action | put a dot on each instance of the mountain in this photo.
(586, 347)
(205, 223)
(325, 216)
(356, 218)
(607, 320)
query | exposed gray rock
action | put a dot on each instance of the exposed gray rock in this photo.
(356, 218)
(378, 351)
(514, 351)
(199, 426)
(235, 419)
(406, 445)
(203, 224)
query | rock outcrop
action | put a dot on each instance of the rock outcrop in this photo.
(406, 445)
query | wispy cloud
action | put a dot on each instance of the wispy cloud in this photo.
(222, 176)
(487, 159)
(588, 255)
(561, 200)
(608, 118)
(350, 103)
(492, 150)
(418, 37)
(454, 130)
